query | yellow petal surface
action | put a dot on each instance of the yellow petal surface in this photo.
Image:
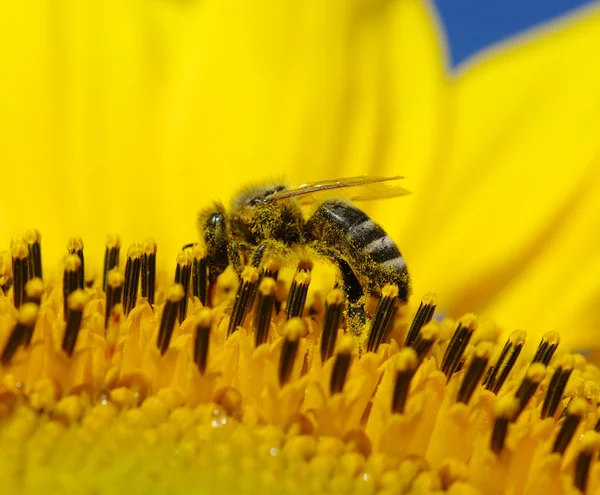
(509, 226)
(130, 116)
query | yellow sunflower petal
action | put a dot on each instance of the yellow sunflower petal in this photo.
(512, 230)
(129, 116)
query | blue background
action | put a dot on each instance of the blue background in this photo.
(472, 25)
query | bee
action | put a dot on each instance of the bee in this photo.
(270, 218)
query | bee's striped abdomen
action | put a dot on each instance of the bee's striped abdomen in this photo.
(372, 254)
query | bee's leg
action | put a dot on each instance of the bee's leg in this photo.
(354, 292)
(351, 287)
(257, 256)
(235, 257)
(213, 228)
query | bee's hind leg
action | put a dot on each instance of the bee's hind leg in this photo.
(355, 294)
(350, 285)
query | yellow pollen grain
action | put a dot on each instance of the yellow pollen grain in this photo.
(72, 263)
(28, 313)
(75, 244)
(575, 387)
(250, 274)
(484, 350)
(204, 317)
(77, 300)
(566, 362)
(536, 372)
(431, 331)
(32, 236)
(294, 329)
(578, 407)
(184, 258)
(451, 471)
(469, 321)
(591, 391)
(347, 345)
(302, 278)
(506, 407)
(134, 251)
(19, 248)
(69, 409)
(518, 337)
(267, 286)
(589, 442)
(335, 297)
(115, 278)
(389, 291)
(34, 288)
(198, 251)
(175, 293)
(272, 265)
(552, 337)
(113, 241)
(579, 361)
(149, 246)
(430, 299)
(407, 359)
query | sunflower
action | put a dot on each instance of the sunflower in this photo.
(115, 120)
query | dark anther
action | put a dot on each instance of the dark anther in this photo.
(75, 246)
(474, 372)
(589, 445)
(406, 365)
(183, 276)
(528, 387)
(34, 241)
(264, 310)
(422, 317)
(298, 291)
(556, 387)
(148, 269)
(341, 365)
(77, 301)
(21, 333)
(241, 306)
(334, 313)
(132, 278)
(200, 274)
(293, 330)
(20, 268)
(457, 345)
(425, 340)
(383, 319)
(203, 325)
(169, 316)
(70, 281)
(497, 374)
(575, 411)
(505, 410)
(546, 349)
(114, 292)
(111, 257)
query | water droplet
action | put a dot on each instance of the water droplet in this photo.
(273, 451)
(219, 418)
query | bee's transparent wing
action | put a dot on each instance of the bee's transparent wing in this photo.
(360, 188)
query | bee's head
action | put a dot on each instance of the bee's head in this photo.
(254, 218)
